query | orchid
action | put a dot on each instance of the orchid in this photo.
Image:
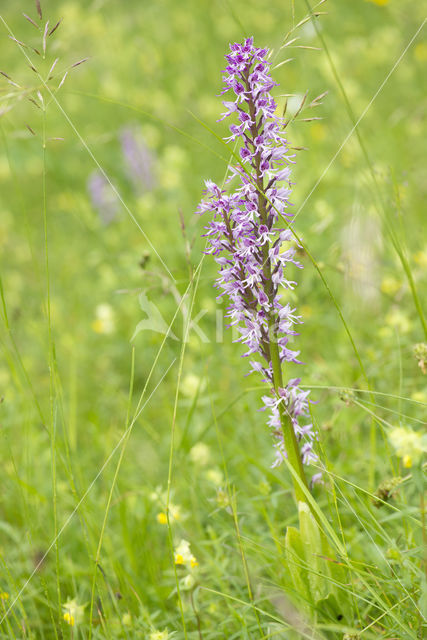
(252, 247)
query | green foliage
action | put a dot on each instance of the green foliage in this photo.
(118, 442)
(318, 577)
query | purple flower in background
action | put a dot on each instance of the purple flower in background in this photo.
(245, 237)
(138, 160)
(103, 197)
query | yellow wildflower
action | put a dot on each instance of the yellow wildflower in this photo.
(159, 635)
(390, 285)
(159, 496)
(419, 396)
(4, 595)
(420, 52)
(421, 258)
(407, 461)
(398, 320)
(380, 3)
(183, 555)
(69, 619)
(408, 444)
(73, 612)
(174, 511)
(162, 518)
(174, 514)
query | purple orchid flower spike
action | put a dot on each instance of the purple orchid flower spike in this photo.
(245, 237)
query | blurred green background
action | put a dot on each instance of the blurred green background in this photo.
(135, 110)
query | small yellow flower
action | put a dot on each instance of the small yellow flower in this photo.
(73, 612)
(380, 3)
(162, 518)
(407, 461)
(159, 635)
(420, 52)
(69, 619)
(174, 512)
(390, 285)
(408, 444)
(183, 555)
(4, 595)
(398, 320)
(419, 396)
(160, 497)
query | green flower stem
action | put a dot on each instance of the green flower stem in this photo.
(290, 439)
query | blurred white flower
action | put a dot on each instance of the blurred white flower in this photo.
(215, 476)
(104, 319)
(294, 103)
(200, 454)
(187, 583)
(191, 384)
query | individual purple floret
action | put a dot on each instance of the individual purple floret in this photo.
(248, 243)
(138, 159)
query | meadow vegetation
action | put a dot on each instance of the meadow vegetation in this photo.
(138, 498)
